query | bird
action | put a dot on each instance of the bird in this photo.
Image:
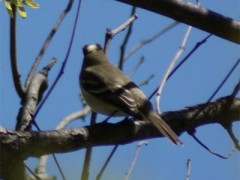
(107, 90)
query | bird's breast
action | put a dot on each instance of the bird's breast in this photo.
(100, 106)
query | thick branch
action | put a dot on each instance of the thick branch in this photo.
(194, 15)
(65, 140)
(30, 102)
(26, 144)
(33, 96)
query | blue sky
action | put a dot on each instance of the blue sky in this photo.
(191, 85)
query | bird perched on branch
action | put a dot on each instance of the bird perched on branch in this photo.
(107, 90)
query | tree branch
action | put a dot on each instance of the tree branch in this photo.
(13, 55)
(111, 33)
(125, 41)
(194, 15)
(47, 41)
(170, 68)
(26, 143)
(65, 140)
(33, 96)
(149, 40)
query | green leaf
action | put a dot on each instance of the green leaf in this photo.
(31, 3)
(9, 8)
(22, 12)
(17, 3)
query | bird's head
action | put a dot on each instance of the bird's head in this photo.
(89, 48)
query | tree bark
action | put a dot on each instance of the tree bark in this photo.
(194, 15)
(16, 146)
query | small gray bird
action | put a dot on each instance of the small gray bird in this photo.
(107, 90)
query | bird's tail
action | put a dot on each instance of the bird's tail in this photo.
(162, 126)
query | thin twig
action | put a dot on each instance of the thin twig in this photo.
(209, 150)
(59, 75)
(184, 60)
(234, 139)
(224, 80)
(58, 166)
(40, 169)
(146, 41)
(237, 87)
(188, 55)
(188, 169)
(129, 172)
(99, 176)
(13, 56)
(125, 41)
(33, 173)
(137, 65)
(63, 64)
(71, 117)
(47, 42)
(227, 124)
(111, 33)
(191, 131)
(146, 81)
(88, 154)
(54, 157)
(176, 57)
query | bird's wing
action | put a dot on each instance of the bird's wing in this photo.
(114, 90)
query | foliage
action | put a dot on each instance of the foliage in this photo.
(19, 4)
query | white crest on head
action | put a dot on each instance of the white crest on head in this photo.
(91, 48)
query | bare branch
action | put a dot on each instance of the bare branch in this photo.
(189, 54)
(106, 162)
(47, 42)
(188, 169)
(194, 15)
(146, 81)
(111, 33)
(64, 62)
(209, 150)
(30, 143)
(146, 41)
(13, 54)
(234, 139)
(34, 94)
(41, 167)
(166, 75)
(183, 60)
(40, 170)
(88, 154)
(33, 173)
(101, 134)
(76, 115)
(125, 41)
(137, 65)
(129, 172)
(225, 123)
(227, 104)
